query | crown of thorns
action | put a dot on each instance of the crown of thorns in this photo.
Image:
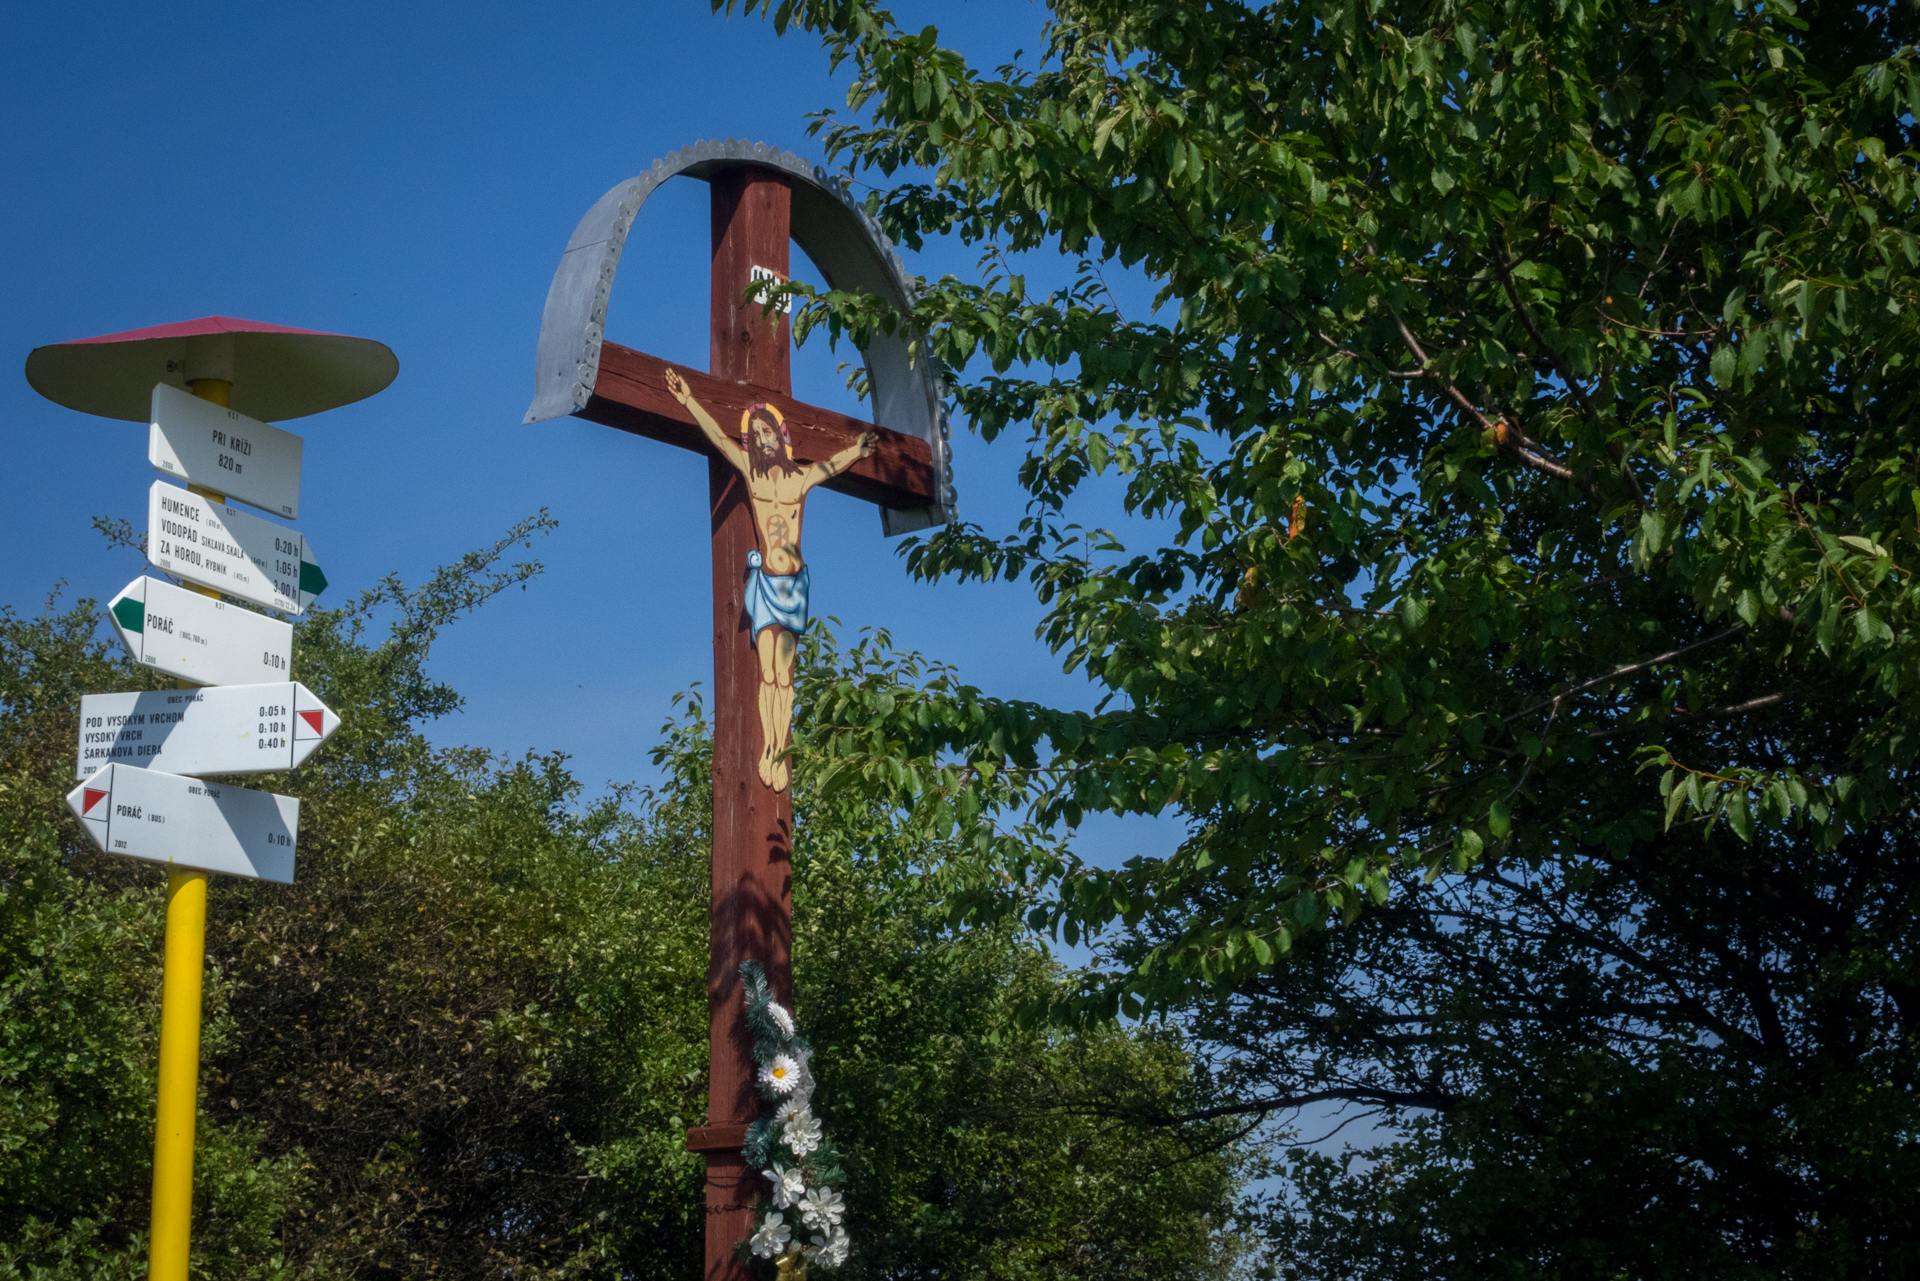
(762, 407)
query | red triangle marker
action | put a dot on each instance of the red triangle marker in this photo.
(90, 797)
(312, 719)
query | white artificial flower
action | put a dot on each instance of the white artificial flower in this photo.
(821, 1208)
(788, 1185)
(781, 1019)
(781, 1075)
(787, 1111)
(830, 1248)
(801, 1134)
(772, 1237)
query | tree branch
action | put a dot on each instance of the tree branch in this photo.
(1625, 670)
(1434, 1099)
(1735, 709)
(1712, 713)
(1621, 950)
(1528, 451)
(1505, 271)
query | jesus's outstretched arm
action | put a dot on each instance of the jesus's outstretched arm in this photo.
(827, 468)
(728, 447)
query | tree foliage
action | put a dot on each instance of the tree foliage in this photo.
(1529, 391)
(470, 1037)
(1528, 396)
(977, 1143)
(1580, 1073)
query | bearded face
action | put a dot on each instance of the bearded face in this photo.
(764, 452)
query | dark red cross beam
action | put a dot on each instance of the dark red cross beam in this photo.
(752, 911)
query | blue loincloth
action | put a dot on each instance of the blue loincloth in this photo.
(776, 600)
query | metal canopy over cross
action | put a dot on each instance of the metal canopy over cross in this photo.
(761, 200)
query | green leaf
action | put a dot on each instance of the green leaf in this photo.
(1866, 545)
(1871, 627)
(1723, 366)
(1676, 800)
(1737, 816)
(1471, 846)
(1827, 630)
(835, 778)
(1654, 526)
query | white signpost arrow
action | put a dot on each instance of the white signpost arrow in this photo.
(229, 453)
(224, 729)
(222, 547)
(198, 638)
(183, 822)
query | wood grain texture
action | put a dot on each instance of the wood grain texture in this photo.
(751, 916)
(716, 1138)
(751, 214)
(631, 394)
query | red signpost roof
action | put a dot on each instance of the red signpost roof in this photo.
(194, 328)
(277, 372)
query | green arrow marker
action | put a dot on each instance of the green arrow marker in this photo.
(312, 581)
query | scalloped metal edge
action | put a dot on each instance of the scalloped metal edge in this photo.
(632, 195)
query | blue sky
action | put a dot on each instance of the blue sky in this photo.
(411, 173)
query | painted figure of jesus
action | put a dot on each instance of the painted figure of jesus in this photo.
(777, 579)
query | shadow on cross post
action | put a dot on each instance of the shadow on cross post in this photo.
(752, 911)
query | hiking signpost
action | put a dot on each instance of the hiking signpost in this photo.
(766, 452)
(205, 442)
(204, 387)
(222, 547)
(165, 818)
(228, 729)
(197, 637)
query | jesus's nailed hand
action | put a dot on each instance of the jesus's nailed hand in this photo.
(866, 442)
(678, 386)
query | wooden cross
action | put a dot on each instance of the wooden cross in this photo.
(751, 915)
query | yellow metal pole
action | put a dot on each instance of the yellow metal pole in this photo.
(179, 1075)
(180, 988)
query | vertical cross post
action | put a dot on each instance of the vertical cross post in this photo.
(752, 823)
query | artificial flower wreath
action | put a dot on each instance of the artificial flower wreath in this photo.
(798, 1161)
